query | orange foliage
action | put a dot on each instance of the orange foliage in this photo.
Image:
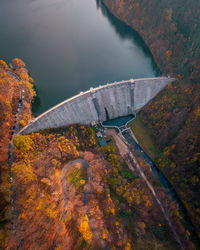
(18, 63)
(3, 64)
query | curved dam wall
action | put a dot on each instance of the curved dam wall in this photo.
(98, 104)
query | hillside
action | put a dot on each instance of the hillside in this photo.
(61, 190)
(11, 77)
(171, 29)
(73, 194)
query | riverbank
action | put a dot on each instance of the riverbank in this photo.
(143, 137)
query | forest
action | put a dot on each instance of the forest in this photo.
(171, 29)
(61, 190)
(9, 103)
(73, 194)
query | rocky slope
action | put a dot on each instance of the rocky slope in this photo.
(171, 29)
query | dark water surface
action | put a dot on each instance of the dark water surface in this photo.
(118, 122)
(70, 45)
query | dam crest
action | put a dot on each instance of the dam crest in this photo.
(111, 100)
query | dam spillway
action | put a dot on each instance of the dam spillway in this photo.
(98, 104)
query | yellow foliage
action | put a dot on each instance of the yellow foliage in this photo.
(66, 146)
(177, 213)
(128, 246)
(24, 173)
(55, 162)
(168, 54)
(169, 85)
(99, 190)
(58, 247)
(173, 165)
(51, 212)
(82, 182)
(29, 86)
(119, 190)
(194, 180)
(197, 112)
(112, 210)
(22, 123)
(8, 104)
(148, 203)
(105, 234)
(3, 64)
(18, 63)
(57, 173)
(129, 199)
(143, 225)
(188, 233)
(22, 216)
(84, 228)
(23, 143)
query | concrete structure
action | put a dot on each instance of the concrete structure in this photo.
(100, 104)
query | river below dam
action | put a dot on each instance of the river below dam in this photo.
(70, 46)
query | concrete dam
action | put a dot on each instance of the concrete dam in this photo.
(100, 104)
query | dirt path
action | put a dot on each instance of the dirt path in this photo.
(123, 149)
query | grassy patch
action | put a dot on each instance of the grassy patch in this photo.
(128, 173)
(157, 183)
(144, 138)
(115, 196)
(161, 233)
(113, 181)
(78, 176)
(124, 214)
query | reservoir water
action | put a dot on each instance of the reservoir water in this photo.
(70, 46)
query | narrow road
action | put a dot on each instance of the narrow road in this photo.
(11, 151)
